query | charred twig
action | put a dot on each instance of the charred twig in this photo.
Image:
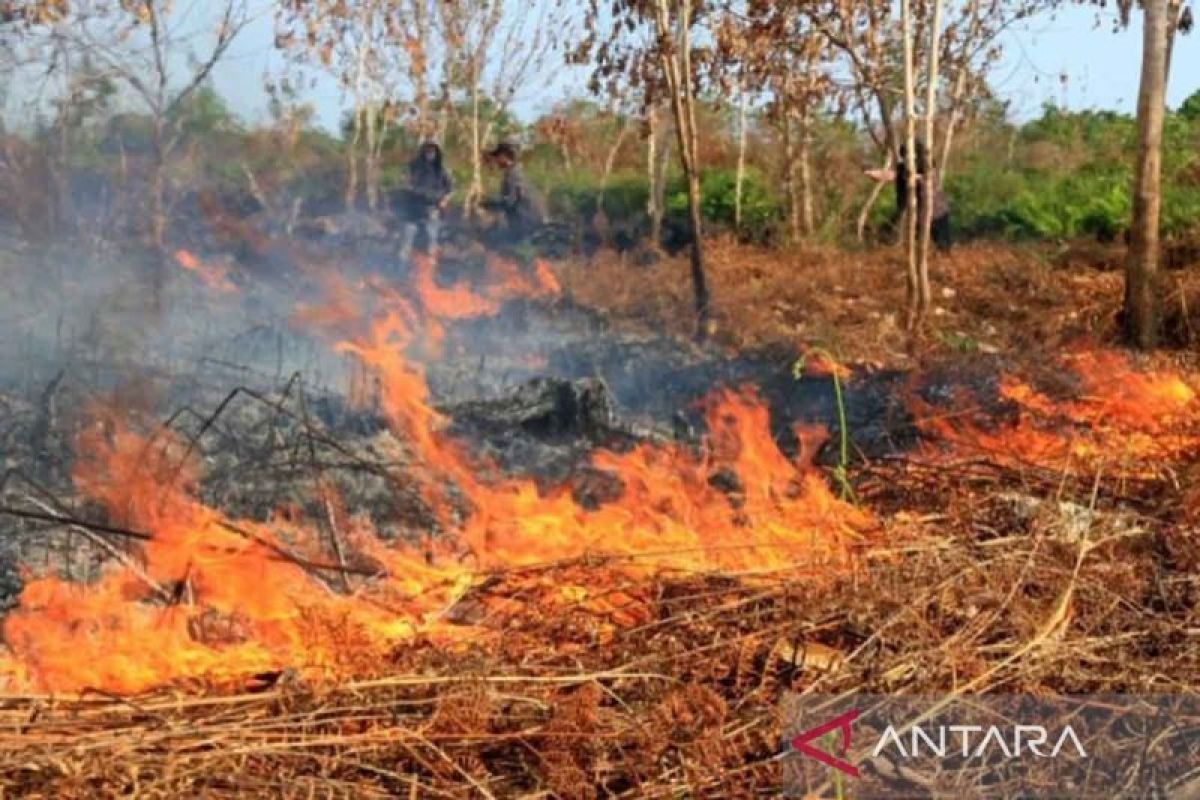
(126, 561)
(313, 567)
(57, 519)
(331, 523)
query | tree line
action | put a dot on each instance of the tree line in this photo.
(885, 75)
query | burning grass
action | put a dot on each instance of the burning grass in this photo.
(638, 648)
(550, 696)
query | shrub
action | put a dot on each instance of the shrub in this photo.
(761, 211)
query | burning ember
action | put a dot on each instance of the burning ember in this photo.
(1121, 419)
(213, 276)
(215, 599)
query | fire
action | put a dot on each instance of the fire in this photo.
(507, 281)
(215, 599)
(457, 302)
(213, 276)
(1122, 417)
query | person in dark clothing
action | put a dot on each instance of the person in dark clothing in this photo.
(424, 199)
(521, 206)
(940, 228)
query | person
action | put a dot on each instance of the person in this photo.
(940, 230)
(425, 198)
(520, 205)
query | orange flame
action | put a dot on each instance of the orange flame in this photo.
(1122, 417)
(213, 276)
(218, 599)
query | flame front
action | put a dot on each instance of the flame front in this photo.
(215, 599)
(1121, 419)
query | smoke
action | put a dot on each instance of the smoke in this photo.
(96, 318)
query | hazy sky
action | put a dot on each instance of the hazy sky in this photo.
(1101, 68)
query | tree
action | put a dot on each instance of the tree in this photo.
(870, 40)
(1141, 269)
(494, 49)
(1189, 109)
(1162, 20)
(932, 177)
(776, 48)
(357, 44)
(151, 48)
(658, 154)
(912, 284)
(448, 62)
(650, 46)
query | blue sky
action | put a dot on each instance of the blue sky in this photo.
(1101, 68)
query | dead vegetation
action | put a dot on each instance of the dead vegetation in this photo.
(987, 298)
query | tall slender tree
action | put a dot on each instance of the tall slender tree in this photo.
(1142, 264)
(652, 45)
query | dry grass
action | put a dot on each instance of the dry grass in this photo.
(993, 580)
(1000, 298)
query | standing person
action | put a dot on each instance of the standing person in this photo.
(941, 232)
(521, 206)
(427, 195)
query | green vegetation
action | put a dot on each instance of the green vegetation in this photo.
(1068, 174)
(1063, 175)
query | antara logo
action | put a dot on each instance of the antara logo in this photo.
(842, 722)
(1024, 738)
(937, 742)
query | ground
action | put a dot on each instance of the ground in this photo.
(1012, 299)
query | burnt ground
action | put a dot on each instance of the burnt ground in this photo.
(985, 577)
(79, 324)
(536, 387)
(268, 408)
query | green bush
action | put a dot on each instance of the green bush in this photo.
(1084, 193)
(761, 211)
(574, 198)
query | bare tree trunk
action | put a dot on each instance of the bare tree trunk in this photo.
(677, 67)
(475, 190)
(931, 179)
(807, 214)
(740, 176)
(912, 284)
(657, 152)
(660, 185)
(960, 85)
(158, 188)
(600, 222)
(256, 191)
(420, 70)
(864, 213)
(1141, 269)
(372, 117)
(610, 162)
(790, 178)
(352, 161)
(688, 108)
(653, 214)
